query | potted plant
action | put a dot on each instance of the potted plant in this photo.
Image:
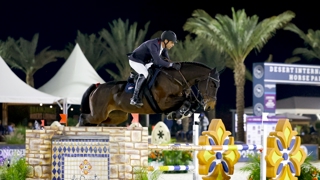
(16, 168)
(142, 173)
(308, 171)
(176, 158)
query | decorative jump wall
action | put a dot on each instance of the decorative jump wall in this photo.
(112, 152)
(87, 152)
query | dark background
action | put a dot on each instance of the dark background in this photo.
(58, 21)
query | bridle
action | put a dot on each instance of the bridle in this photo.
(208, 78)
(197, 96)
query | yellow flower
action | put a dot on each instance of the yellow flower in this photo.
(217, 164)
(284, 155)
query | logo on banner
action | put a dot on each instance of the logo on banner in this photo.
(258, 109)
(258, 71)
(258, 90)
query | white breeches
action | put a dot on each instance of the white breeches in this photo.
(140, 68)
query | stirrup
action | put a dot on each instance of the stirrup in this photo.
(136, 103)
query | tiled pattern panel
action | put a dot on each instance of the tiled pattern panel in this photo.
(80, 159)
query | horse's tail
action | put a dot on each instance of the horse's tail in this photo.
(85, 107)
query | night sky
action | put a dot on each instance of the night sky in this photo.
(58, 21)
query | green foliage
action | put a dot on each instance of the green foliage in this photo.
(187, 50)
(236, 36)
(141, 173)
(311, 40)
(307, 169)
(72, 122)
(92, 48)
(119, 41)
(197, 49)
(253, 168)
(17, 171)
(17, 137)
(175, 157)
(21, 54)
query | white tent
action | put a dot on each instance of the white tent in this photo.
(72, 79)
(14, 90)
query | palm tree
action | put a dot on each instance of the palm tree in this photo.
(311, 39)
(91, 46)
(119, 41)
(156, 35)
(187, 50)
(21, 54)
(236, 36)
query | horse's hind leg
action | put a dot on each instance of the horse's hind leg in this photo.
(116, 117)
(84, 120)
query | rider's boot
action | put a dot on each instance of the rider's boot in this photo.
(136, 100)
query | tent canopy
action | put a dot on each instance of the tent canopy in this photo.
(73, 78)
(14, 90)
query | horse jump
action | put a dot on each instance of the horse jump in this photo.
(217, 153)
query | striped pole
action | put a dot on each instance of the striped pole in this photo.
(176, 168)
(183, 147)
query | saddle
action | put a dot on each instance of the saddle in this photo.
(146, 87)
(131, 82)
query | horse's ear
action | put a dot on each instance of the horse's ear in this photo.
(222, 70)
(213, 71)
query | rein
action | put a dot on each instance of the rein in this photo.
(189, 88)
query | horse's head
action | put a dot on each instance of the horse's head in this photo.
(208, 88)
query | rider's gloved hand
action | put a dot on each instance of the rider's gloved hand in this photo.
(177, 66)
(168, 60)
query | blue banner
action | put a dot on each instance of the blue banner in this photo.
(291, 73)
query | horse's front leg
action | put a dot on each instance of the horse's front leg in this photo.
(185, 110)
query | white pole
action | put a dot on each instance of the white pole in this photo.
(65, 107)
(195, 140)
(263, 164)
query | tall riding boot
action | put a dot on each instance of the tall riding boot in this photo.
(135, 100)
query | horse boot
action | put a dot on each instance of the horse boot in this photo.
(136, 100)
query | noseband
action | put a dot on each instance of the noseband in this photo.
(201, 102)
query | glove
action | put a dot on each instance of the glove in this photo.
(176, 66)
(168, 60)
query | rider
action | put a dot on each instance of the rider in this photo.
(149, 53)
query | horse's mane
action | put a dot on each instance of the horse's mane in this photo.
(196, 63)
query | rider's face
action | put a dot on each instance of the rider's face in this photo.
(170, 44)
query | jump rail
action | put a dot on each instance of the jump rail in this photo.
(215, 155)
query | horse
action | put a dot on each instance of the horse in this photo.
(166, 90)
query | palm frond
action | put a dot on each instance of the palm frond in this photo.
(203, 25)
(187, 50)
(306, 53)
(292, 60)
(311, 40)
(92, 48)
(212, 57)
(21, 54)
(293, 28)
(267, 28)
(236, 36)
(156, 34)
(122, 38)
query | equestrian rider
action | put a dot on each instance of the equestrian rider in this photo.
(149, 53)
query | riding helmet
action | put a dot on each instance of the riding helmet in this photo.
(169, 35)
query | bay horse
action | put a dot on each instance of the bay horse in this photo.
(166, 91)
